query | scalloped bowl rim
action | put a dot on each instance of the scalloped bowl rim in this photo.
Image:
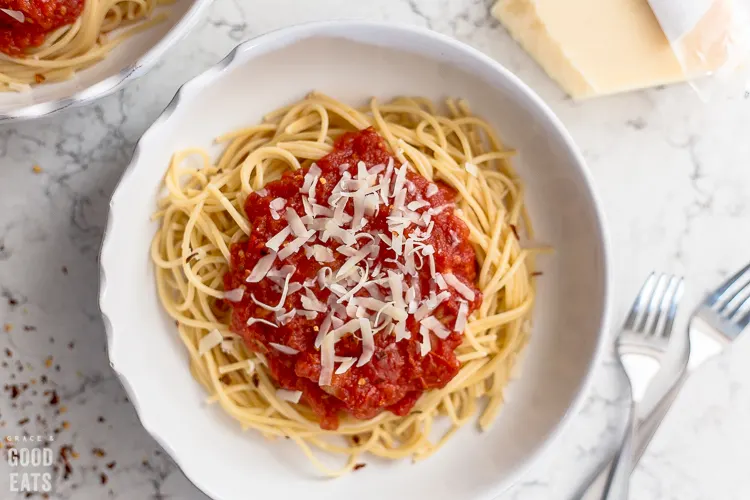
(275, 39)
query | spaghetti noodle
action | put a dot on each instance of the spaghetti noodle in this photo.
(202, 216)
(35, 56)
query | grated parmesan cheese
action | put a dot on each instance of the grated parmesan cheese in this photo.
(261, 268)
(276, 240)
(425, 345)
(459, 286)
(252, 321)
(234, 295)
(283, 348)
(209, 341)
(15, 14)
(463, 312)
(327, 354)
(346, 363)
(435, 326)
(291, 396)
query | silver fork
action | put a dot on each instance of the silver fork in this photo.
(718, 321)
(644, 337)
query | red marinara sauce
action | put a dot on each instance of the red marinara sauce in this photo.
(397, 374)
(41, 17)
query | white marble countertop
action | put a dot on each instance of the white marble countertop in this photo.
(671, 170)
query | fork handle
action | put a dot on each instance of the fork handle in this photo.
(618, 479)
(642, 434)
(647, 427)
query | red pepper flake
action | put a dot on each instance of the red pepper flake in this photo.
(515, 231)
(23, 421)
(29, 328)
(54, 398)
(103, 478)
(48, 362)
(12, 302)
(39, 78)
(359, 466)
(65, 270)
(100, 420)
(66, 424)
(8, 352)
(537, 273)
(355, 439)
(64, 451)
(14, 391)
(111, 465)
(7, 327)
(71, 345)
(256, 380)
(99, 452)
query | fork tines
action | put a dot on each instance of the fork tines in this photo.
(655, 307)
(732, 299)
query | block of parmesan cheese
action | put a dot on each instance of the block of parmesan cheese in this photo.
(597, 47)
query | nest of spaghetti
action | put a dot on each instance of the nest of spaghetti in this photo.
(357, 280)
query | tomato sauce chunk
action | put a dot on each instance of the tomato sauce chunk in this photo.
(372, 260)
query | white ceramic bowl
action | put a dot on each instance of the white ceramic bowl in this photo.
(130, 60)
(353, 61)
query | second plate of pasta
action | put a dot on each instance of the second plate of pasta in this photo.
(58, 53)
